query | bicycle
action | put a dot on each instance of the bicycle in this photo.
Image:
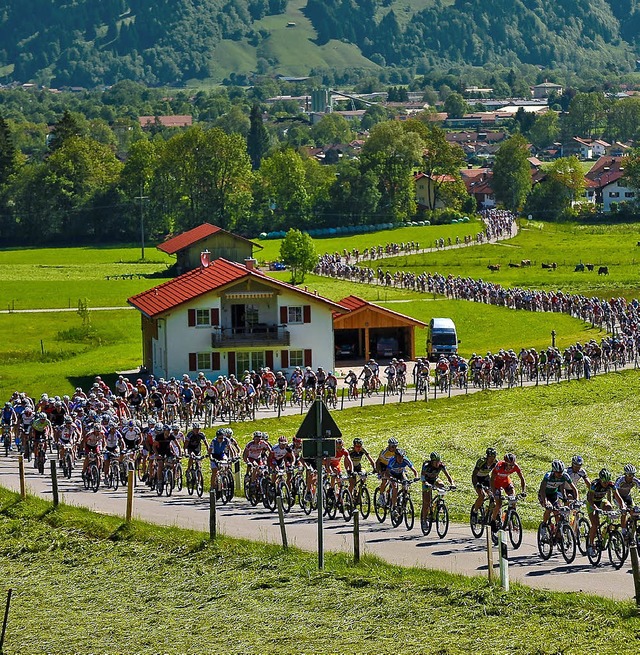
(380, 502)
(91, 475)
(632, 528)
(511, 522)
(127, 464)
(438, 513)
(112, 478)
(344, 498)
(165, 482)
(361, 495)
(403, 507)
(580, 525)
(6, 439)
(557, 530)
(194, 479)
(66, 459)
(480, 518)
(609, 537)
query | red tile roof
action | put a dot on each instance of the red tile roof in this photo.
(218, 274)
(607, 170)
(166, 121)
(356, 304)
(190, 237)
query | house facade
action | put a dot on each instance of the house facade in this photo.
(226, 318)
(606, 179)
(188, 246)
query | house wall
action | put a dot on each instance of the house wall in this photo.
(311, 342)
(616, 193)
(219, 245)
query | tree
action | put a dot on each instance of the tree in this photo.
(331, 129)
(567, 172)
(632, 170)
(7, 152)
(299, 254)
(586, 115)
(624, 120)
(545, 129)
(258, 137)
(455, 106)
(512, 173)
(70, 125)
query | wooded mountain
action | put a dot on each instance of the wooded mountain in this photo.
(87, 43)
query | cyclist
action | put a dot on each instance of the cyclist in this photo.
(218, 450)
(351, 380)
(625, 485)
(281, 386)
(41, 431)
(332, 465)
(331, 385)
(551, 493)
(69, 437)
(382, 464)
(93, 442)
(254, 451)
(599, 498)
(390, 372)
(577, 473)
(501, 481)
(396, 469)
(193, 444)
(431, 469)
(9, 418)
(281, 458)
(481, 477)
(112, 443)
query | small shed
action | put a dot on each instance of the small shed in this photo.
(221, 244)
(369, 330)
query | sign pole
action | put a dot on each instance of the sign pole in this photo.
(489, 555)
(319, 484)
(504, 562)
(635, 567)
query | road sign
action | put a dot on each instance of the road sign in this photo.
(318, 423)
(319, 448)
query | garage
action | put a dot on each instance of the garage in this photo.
(371, 331)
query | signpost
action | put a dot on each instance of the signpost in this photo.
(318, 432)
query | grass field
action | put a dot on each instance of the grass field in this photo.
(614, 246)
(88, 583)
(598, 419)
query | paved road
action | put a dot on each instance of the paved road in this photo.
(457, 553)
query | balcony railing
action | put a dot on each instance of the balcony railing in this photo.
(256, 335)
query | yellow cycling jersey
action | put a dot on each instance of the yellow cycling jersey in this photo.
(386, 455)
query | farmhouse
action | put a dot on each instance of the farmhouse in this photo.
(221, 244)
(606, 181)
(368, 330)
(227, 317)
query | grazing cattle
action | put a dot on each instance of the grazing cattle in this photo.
(603, 270)
(512, 265)
(494, 267)
(525, 262)
(579, 268)
(589, 267)
(638, 244)
(551, 265)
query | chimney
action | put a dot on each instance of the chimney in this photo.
(250, 263)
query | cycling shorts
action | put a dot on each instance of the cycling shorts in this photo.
(396, 475)
(508, 490)
(310, 462)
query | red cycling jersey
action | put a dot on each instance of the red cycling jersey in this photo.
(502, 475)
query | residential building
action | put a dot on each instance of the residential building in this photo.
(545, 89)
(606, 180)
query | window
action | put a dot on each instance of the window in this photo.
(296, 358)
(614, 194)
(202, 318)
(204, 361)
(249, 361)
(294, 315)
(629, 194)
(251, 315)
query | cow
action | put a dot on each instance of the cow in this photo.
(589, 267)
(551, 265)
(512, 265)
(579, 268)
(494, 267)
(603, 270)
(525, 262)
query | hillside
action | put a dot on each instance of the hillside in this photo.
(83, 43)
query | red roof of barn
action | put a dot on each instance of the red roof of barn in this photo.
(190, 237)
(355, 304)
(193, 284)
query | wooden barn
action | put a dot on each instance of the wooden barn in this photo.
(368, 330)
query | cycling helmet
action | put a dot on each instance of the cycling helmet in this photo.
(151, 422)
(577, 460)
(629, 469)
(257, 434)
(492, 452)
(195, 426)
(401, 452)
(283, 439)
(357, 441)
(605, 475)
(510, 458)
(42, 416)
(68, 419)
(228, 432)
(339, 442)
(557, 466)
(175, 428)
(393, 442)
(159, 429)
(220, 432)
(131, 424)
(435, 457)
(7, 405)
(297, 441)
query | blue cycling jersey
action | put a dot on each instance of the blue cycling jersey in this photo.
(219, 448)
(398, 467)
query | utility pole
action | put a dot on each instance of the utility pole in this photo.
(141, 198)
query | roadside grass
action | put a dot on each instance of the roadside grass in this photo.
(614, 246)
(598, 419)
(108, 587)
(72, 356)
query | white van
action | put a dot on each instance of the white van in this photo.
(442, 338)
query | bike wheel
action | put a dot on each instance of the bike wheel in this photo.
(231, 486)
(365, 502)
(307, 501)
(86, 480)
(94, 478)
(270, 496)
(224, 488)
(442, 520)
(616, 548)
(545, 543)
(114, 477)
(68, 466)
(178, 477)
(567, 543)
(331, 504)
(380, 510)
(594, 554)
(476, 522)
(346, 506)
(395, 513)
(40, 463)
(426, 523)
(168, 482)
(139, 469)
(582, 537)
(191, 481)
(514, 528)
(409, 515)
(199, 483)
(159, 483)
(286, 497)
